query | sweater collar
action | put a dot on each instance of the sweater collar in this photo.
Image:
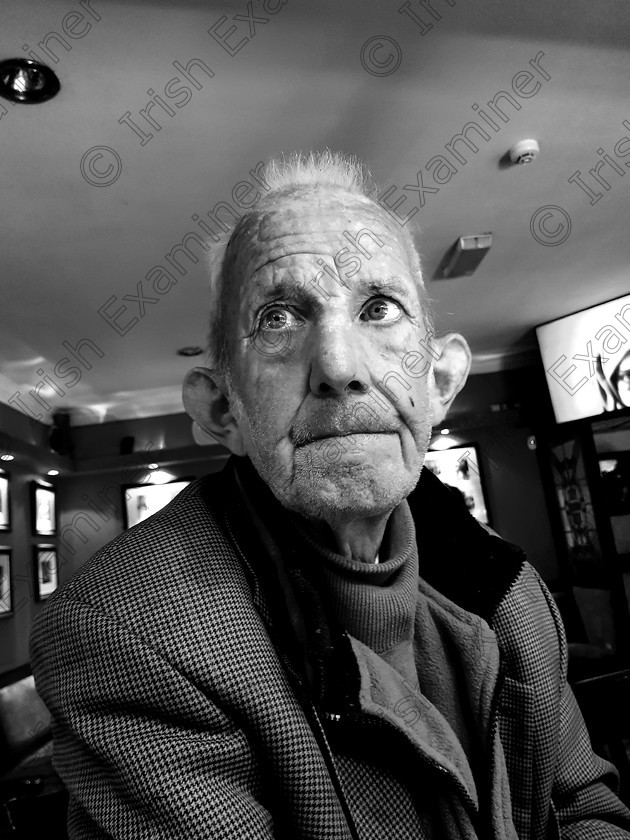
(374, 603)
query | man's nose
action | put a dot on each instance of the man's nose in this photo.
(338, 365)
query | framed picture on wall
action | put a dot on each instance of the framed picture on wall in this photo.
(43, 508)
(46, 571)
(143, 500)
(459, 468)
(587, 565)
(6, 600)
(5, 509)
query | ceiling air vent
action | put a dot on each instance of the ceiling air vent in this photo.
(465, 255)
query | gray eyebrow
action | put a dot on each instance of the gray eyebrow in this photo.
(389, 284)
(280, 288)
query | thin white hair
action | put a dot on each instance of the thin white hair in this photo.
(290, 174)
(319, 169)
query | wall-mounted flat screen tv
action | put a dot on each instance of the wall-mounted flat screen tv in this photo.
(586, 357)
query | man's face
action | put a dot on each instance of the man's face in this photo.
(328, 415)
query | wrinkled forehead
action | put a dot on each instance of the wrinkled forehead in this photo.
(317, 222)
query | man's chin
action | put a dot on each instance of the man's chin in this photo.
(342, 495)
(342, 479)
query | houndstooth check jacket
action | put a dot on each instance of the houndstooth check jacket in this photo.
(176, 717)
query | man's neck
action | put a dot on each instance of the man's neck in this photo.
(359, 539)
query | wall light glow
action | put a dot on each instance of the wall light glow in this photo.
(159, 477)
(443, 442)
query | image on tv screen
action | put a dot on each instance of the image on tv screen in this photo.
(587, 360)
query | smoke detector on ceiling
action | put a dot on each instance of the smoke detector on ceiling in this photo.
(525, 151)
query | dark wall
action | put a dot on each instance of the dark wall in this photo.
(27, 442)
(499, 412)
(92, 505)
(516, 500)
(89, 498)
(154, 436)
(92, 497)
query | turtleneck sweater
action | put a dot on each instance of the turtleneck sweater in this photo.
(374, 603)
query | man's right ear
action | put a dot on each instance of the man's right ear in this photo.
(207, 404)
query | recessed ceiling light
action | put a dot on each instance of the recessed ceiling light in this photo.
(193, 350)
(444, 431)
(26, 81)
(7, 457)
(52, 472)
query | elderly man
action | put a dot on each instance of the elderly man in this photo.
(319, 642)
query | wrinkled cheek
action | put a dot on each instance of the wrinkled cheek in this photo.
(269, 431)
(418, 420)
(414, 406)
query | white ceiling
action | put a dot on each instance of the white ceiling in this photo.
(69, 246)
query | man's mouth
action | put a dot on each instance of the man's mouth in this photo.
(329, 422)
(319, 436)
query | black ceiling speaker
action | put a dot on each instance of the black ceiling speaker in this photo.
(60, 438)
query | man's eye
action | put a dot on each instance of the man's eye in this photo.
(278, 318)
(381, 309)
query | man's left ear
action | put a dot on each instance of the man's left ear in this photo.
(450, 372)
